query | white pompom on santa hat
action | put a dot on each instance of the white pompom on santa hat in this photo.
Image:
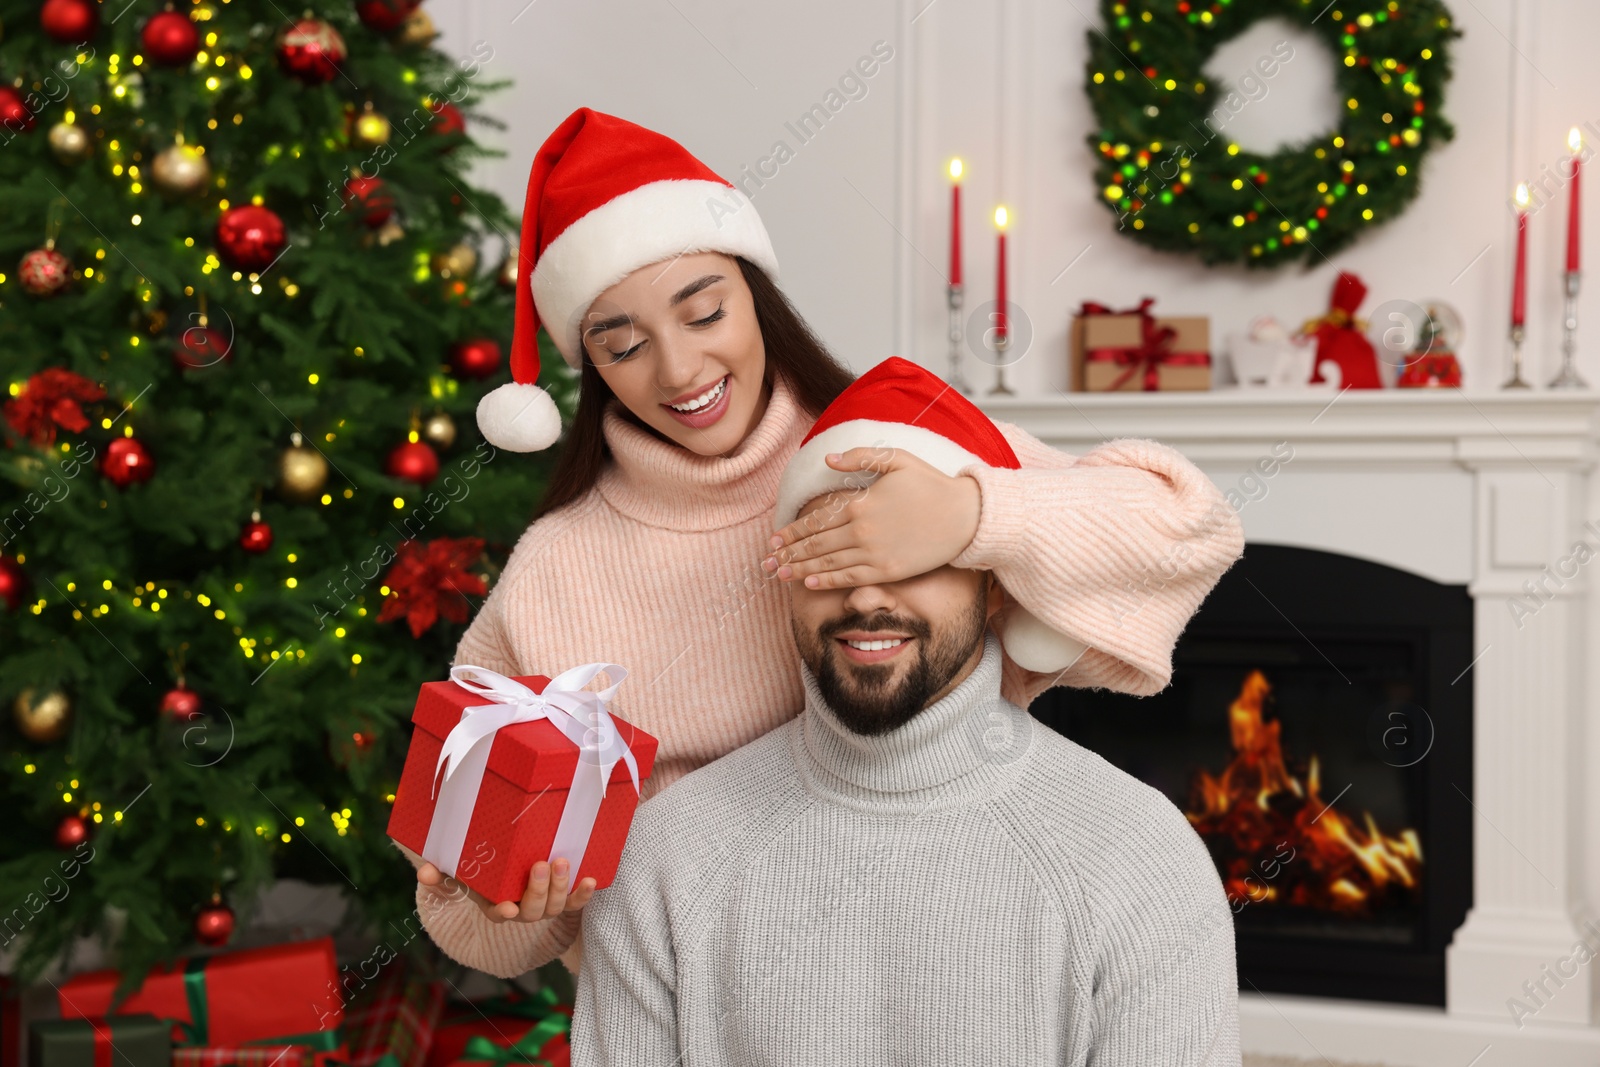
(605, 197)
(898, 404)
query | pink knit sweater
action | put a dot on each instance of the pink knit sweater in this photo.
(658, 568)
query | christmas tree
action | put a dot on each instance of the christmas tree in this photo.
(244, 509)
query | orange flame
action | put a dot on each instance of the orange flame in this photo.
(1256, 805)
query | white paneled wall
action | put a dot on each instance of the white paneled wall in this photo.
(859, 213)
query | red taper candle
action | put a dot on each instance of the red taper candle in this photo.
(1574, 142)
(1519, 278)
(955, 222)
(1001, 318)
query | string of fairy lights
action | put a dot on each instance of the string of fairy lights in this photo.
(1176, 181)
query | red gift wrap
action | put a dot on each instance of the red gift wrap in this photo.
(283, 995)
(391, 1021)
(507, 1024)
(525, 785)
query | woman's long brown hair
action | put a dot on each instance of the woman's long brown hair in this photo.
(792, 350)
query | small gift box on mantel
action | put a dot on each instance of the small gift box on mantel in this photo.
(503, 772)
(1133, 350)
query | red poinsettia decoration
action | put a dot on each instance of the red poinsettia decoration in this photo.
(431, 580)
(50, 400)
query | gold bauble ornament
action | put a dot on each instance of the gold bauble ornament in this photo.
(181, 170)
(439, 430)
(302, 472)
(390, 231)
(507, 274)
(70, 143)
(45, 719)
(372, 129)
(417, 29)
(458, 262)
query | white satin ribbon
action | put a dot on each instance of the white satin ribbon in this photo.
(578, 713)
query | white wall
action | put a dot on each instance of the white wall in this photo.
(859, 216)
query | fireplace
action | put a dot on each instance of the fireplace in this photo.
(1318, 734)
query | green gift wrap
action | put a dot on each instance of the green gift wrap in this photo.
(127, 1040)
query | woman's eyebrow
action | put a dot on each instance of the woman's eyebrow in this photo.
(692, 288)
(609, 324)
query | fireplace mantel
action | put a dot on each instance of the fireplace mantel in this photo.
(1487, 489)
(1369, 426)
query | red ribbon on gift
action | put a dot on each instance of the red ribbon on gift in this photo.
(102, 1042)
(1153, 349)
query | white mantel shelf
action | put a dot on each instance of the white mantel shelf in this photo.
(1484, 488)
(1393, 425)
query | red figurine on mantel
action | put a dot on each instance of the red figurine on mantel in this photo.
(1340, 339)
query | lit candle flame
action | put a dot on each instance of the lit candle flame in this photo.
(1000, 217)
(955, 169)
(1522, 195)
(1575, 140)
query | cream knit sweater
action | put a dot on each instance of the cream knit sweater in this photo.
(970, 888)
(658, 568)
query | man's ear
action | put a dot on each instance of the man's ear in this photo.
(994, 595)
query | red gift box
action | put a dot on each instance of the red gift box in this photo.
(526, 780)
(507, 1024)
(281, 994)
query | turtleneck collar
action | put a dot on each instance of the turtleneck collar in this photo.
(663, 484)
(952, 752)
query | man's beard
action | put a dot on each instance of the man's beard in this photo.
(863, 696)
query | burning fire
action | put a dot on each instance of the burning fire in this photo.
(1256, 805)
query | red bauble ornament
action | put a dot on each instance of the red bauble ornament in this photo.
(44, 272)
(250, 237)
(201, 346)
(181, 703)
(311, 50)
(14, 113)
(448, 119)
(415, 462)
(70, 21)
(371, 195)
(127, 461)
(72, 832)
(170, 39)
(214, 925)
(13, 583)
(384, 16)
(476, 358)
(256, 535)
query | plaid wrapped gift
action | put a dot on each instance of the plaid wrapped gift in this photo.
(252, 1056)
(391, 1022)
(528, 1029)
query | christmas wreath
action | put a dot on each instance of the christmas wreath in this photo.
(1166, 166)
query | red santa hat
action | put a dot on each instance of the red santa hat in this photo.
(898, 404)
(605, 197)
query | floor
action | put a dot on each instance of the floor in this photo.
(1290, 1061)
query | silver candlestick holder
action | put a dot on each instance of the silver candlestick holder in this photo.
(1568, 377)
(1002, 345)
(1516, 381)
(957, 336)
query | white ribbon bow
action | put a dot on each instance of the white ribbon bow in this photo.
(578, 713)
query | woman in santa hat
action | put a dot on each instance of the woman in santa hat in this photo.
(654, 546)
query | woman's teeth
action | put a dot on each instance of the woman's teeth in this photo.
(709, 397)
(875, 646)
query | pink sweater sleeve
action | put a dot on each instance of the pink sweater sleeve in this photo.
(1116, 548)
(453, 919)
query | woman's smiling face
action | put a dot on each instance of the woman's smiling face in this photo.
(679, 345)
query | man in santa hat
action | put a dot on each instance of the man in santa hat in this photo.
(913, 870)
